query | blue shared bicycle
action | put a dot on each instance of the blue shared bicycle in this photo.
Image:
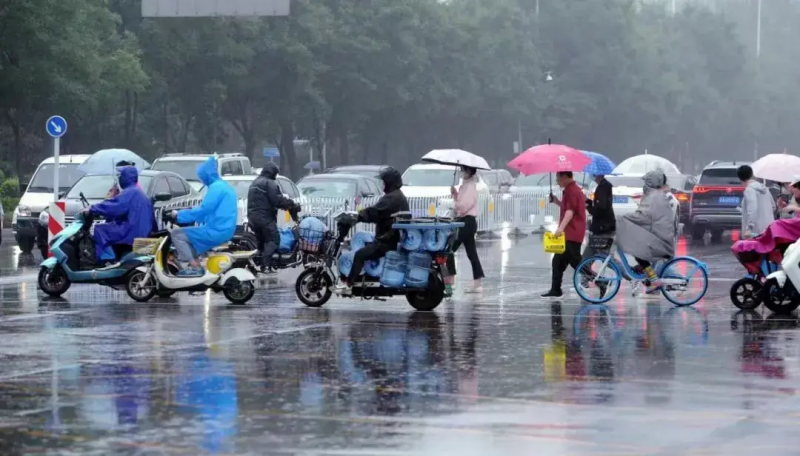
(598, 279)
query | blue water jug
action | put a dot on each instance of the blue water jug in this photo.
(435, 240)
(413, 240)
(360, 239)
(419, 269)
(374, 268)
(394, 269)
(346, 263)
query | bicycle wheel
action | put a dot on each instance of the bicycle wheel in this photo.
(685, 281)
(595, 288)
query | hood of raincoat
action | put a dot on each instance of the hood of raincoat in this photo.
(128, 175)
(207, 172)
(392, 179)
(758, 187)
(653, 180)
(270, 170)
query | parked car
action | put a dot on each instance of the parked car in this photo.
(498, 180)
(185, 165)
(160, 186)
(37, 196)
(716, 200)
(434, 180)
(331, 192)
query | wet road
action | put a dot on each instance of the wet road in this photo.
(503, 373)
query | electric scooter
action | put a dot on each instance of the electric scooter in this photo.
(779, 292)
(74, 260)
(225, 272)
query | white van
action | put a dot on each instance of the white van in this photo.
(39, 194)
(185, 165)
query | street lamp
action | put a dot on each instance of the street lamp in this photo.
(518, 147)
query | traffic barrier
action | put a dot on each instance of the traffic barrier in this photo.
(518, 214)
(56, 222)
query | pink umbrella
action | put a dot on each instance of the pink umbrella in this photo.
(549, 158)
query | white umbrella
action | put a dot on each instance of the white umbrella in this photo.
(456, 157)
(777, 167)
(641, 164)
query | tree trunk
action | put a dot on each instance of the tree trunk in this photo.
(127, 118)
(287, 148)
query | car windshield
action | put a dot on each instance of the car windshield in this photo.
(96, 187)
(42, 181)
(241, 187)
(544, 180)
(327, 188)
(720, 176)
(422, 177)
(187, 169)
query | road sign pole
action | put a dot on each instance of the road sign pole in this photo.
(56, 150)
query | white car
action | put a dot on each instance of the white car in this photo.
(38, 196)
(185, 165)
(434, 181)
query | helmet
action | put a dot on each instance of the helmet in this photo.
(392, 179)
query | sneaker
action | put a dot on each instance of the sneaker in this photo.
(343, 289)
(654, 287)
(553, 294)
(474, 290)
(191, 272)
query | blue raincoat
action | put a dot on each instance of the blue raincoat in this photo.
(217, 213)
(128, 215)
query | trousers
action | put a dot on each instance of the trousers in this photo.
(373, 251)
(466, 236)
(570, 257)
(186, 253)
(268, 239)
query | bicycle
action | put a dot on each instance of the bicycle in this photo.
(607, 278)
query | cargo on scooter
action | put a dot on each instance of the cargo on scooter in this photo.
(417, 269)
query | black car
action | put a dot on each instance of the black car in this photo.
(716, 200)
(160, 186)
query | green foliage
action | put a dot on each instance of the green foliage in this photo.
(10, 188)
(391, 79)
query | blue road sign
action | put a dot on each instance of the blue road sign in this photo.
(271, 152)
(56, 126)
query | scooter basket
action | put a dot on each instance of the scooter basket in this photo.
(145, 246)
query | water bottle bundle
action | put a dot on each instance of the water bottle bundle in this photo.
(409, 266)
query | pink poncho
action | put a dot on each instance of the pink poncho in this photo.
(779, 232)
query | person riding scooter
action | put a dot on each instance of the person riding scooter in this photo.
(217, 216)
(129, 215)
(380, 214)
(264, 199)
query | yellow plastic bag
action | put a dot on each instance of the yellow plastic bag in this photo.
(553, 244)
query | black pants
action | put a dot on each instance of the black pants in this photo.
(466, 236)
(268, 239)
(570, 257)
(374, 251)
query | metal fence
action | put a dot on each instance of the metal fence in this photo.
(503, 211)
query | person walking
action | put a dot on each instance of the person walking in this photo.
(758, 206)
(466, 208)
(572, 224)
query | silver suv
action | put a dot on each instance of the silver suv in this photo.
(185, 165)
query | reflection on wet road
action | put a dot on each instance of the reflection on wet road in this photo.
(503, 373)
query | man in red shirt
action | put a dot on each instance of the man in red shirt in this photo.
(572, 223)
